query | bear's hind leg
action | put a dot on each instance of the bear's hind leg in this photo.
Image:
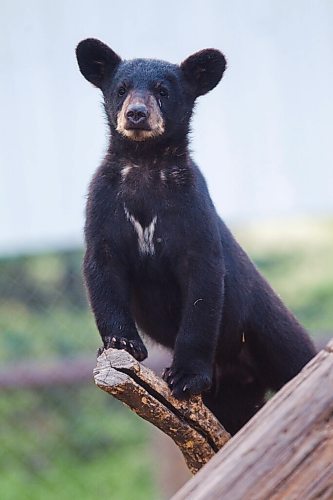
(236, 396)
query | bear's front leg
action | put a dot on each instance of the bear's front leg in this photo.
(194, 352)
(108, 290)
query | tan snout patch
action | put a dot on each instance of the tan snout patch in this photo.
(155, 119)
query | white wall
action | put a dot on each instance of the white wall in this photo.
(263, 138)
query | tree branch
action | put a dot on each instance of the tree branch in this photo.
(190, 424)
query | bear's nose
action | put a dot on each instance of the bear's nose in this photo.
(137, 113)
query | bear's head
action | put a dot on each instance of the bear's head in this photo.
(147, 99)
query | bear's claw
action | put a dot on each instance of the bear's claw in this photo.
(134, 347)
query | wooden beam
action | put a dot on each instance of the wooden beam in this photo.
(284, 452)
(190, 424)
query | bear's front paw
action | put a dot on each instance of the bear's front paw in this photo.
(134, 347)
(183, 383)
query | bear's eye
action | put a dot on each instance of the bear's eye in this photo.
(121, 91)
(163, 92)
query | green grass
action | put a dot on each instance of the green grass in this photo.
(66, 443)
(70, 479)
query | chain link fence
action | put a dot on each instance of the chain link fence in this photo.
(60, 436)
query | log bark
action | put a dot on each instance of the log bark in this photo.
(284, 452)
(190, 424)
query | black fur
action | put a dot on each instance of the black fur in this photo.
(189, 286)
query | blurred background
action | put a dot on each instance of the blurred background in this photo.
(263, 139)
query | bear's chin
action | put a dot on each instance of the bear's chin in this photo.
(139, 135)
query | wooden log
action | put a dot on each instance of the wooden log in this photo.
(190, 424)
(38, 373)
(284, 452)
(46, 372)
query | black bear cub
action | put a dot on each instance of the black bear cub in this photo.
(159, 258)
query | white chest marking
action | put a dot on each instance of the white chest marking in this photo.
(125, 171)
(145, 234)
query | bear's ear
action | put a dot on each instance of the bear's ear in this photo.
(203, 70)
(96, 60)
